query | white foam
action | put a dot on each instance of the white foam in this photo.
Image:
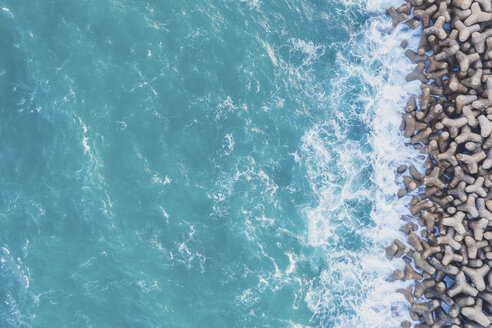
(7, 10)
(310, 50)
(252, 4)
(15, 277)
(270, 52)
(352, 290)
(389, 151)
(229, 144)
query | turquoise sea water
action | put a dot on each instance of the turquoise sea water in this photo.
(216, 163)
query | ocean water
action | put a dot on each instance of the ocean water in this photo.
(216, 163)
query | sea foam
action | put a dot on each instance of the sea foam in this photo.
(353, 290)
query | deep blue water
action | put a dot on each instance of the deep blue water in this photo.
(196, 163)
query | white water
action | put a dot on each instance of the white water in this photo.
(356, 280)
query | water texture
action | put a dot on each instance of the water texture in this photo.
(216, 163)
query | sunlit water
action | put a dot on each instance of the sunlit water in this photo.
(217, 163)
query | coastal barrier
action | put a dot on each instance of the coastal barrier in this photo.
(448, 251)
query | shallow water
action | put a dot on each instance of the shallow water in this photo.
(199, 164)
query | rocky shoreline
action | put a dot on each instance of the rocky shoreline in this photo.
(448, 253)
